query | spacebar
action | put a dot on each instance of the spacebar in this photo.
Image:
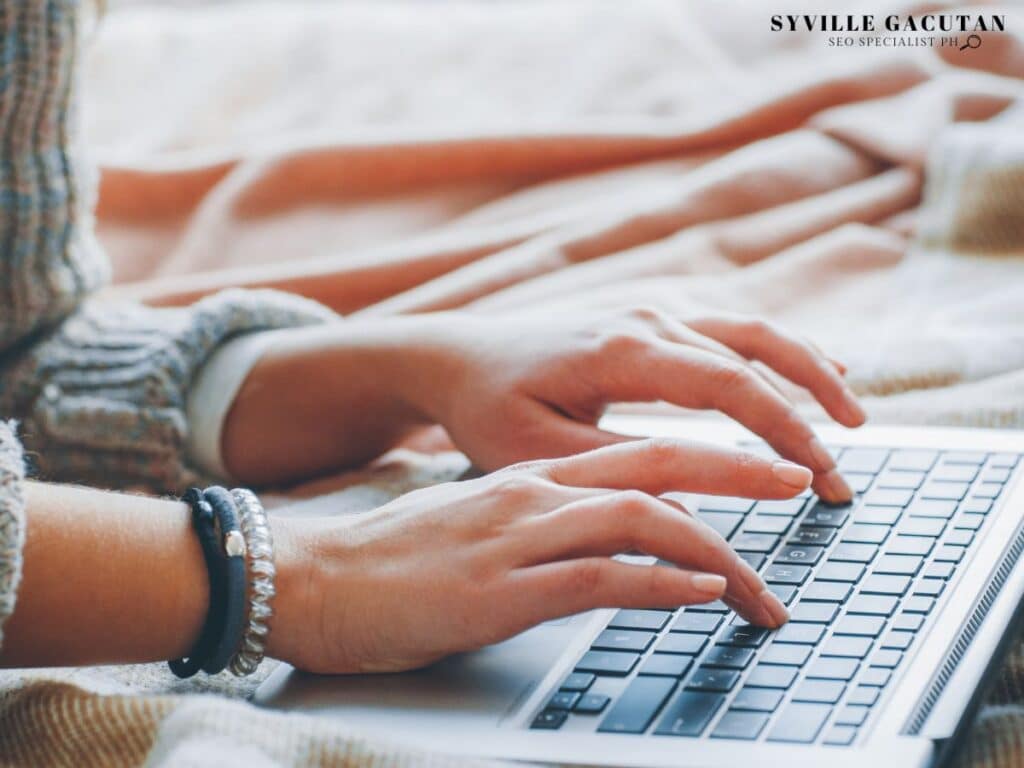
(638, 705)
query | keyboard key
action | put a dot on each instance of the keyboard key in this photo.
(840, 735)
(897, 640)
(800, 634)
(784, 507)
(821, 691)
(932, 508)
(728, 657)
(666, 665)
(939, 570)
(964, 457)
(959, 537)
(797, 555)
(969, 521)
(634, 710)
(875, 677)
(865, 534)
(846, 646)
(767, 524)
(995, 475)
(921, 526)
(826, 592)
(858, 481)
(578, 681)
(877, 584)
(949, 554)
(715, 606)
(826, 516)
(743, 635)
(918, 604)
(725, 523)
(977, 505)
(835, 571)
(650, 621)
(874, 605)
(786, 655)
(755, 542)
(908, 622)
(607, 663)
(623, 640)
(956, 473)
(854, 553)
(786, 574)
(862, 626)
(563, 700)
(754, 559)
(813, 613)
(863, 696)
(877, 515)
(929, 587)
(869, 460)
(1007, 460)
(739, 725)
(988, 490)
(901, 479)
(800, 723)
(833, 669)
(815, 536)
(898, 565)
(909, 545)
(591, 704)
(702, 623)
(920, 461)
(887, 658)
(549, 720)
(715, 680)
(852, 716)
(785, 592)
(689, 714)
(757, 699)
(889, 497)
(678, 642)
(935, 489)
(771, 676)
(725, 504)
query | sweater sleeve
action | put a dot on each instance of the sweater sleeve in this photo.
(12, 520)
(102, 399)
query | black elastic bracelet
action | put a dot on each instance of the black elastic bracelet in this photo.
(203, 521)
(232, 623)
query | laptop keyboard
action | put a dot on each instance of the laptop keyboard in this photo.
(860, 581)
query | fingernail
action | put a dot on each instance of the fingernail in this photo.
(822, 458)
(774, 607)
(792, 475)
(710, 584)
(841, 490)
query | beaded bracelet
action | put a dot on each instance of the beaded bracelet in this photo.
(260, 562)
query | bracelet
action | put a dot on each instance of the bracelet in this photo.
(233, 564)
(260, 561)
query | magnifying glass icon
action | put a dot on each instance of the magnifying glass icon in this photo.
(973, 41)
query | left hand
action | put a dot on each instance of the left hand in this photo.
(511, 388)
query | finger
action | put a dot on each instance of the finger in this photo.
(659, 465)
(631, 521)
(793, 358)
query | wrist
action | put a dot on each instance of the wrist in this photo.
(294, 594)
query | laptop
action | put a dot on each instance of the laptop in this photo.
(904, 605)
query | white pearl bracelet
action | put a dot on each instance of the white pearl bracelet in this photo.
(259, 562)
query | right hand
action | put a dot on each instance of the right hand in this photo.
(458, 566)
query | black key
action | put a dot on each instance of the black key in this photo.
(739, 725)
(755, 542)
(578, 681)
(833, 669)
(826, 592)
(897, 641)
(728, 657)
(623, 640)
(591, 704)
(607, 663)
(784, 592)
(888, 658)
(898, 565)
(956, 473)
(725, 504)
(935, 489)
(862, 626)
(784, 508)
(932, 508)
(702, 623)
(872, 605)
(796, 555)
(800, 634)
(634, 710)
(767, 524)
(650, 621)
(826, 516)
(715, 606)
(921, 526)
(854, 553)
(858, 481)
(840, 735)
(909, 545)
(929, 587)
(976, 505)
(754, 559)
(800, 723)
(813, 613)
(876, 678)
(939, 570)
(877, 515)
(888, 497)
(666, 665)
(964, 457)
(877, 584)
(918, 604)
(960, 537)
(869, 460)
(920, 461)
(949, 554)
(757, 699)
(786, 574)
(901, 479)
(689, 714)
(908, 621)
(969, 522)
(549, 720)
(821, 691)
(786, 655)
(834, 571)
(852, 716)
(865, 534)
(771, 676)
(847, 647)
(563, 700)
(715, 680)
(810, 535)
(863, 695)
(678, 642)
(725, 523)
(743, 635)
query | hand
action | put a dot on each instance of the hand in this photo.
(517, 387)
(455, 567)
